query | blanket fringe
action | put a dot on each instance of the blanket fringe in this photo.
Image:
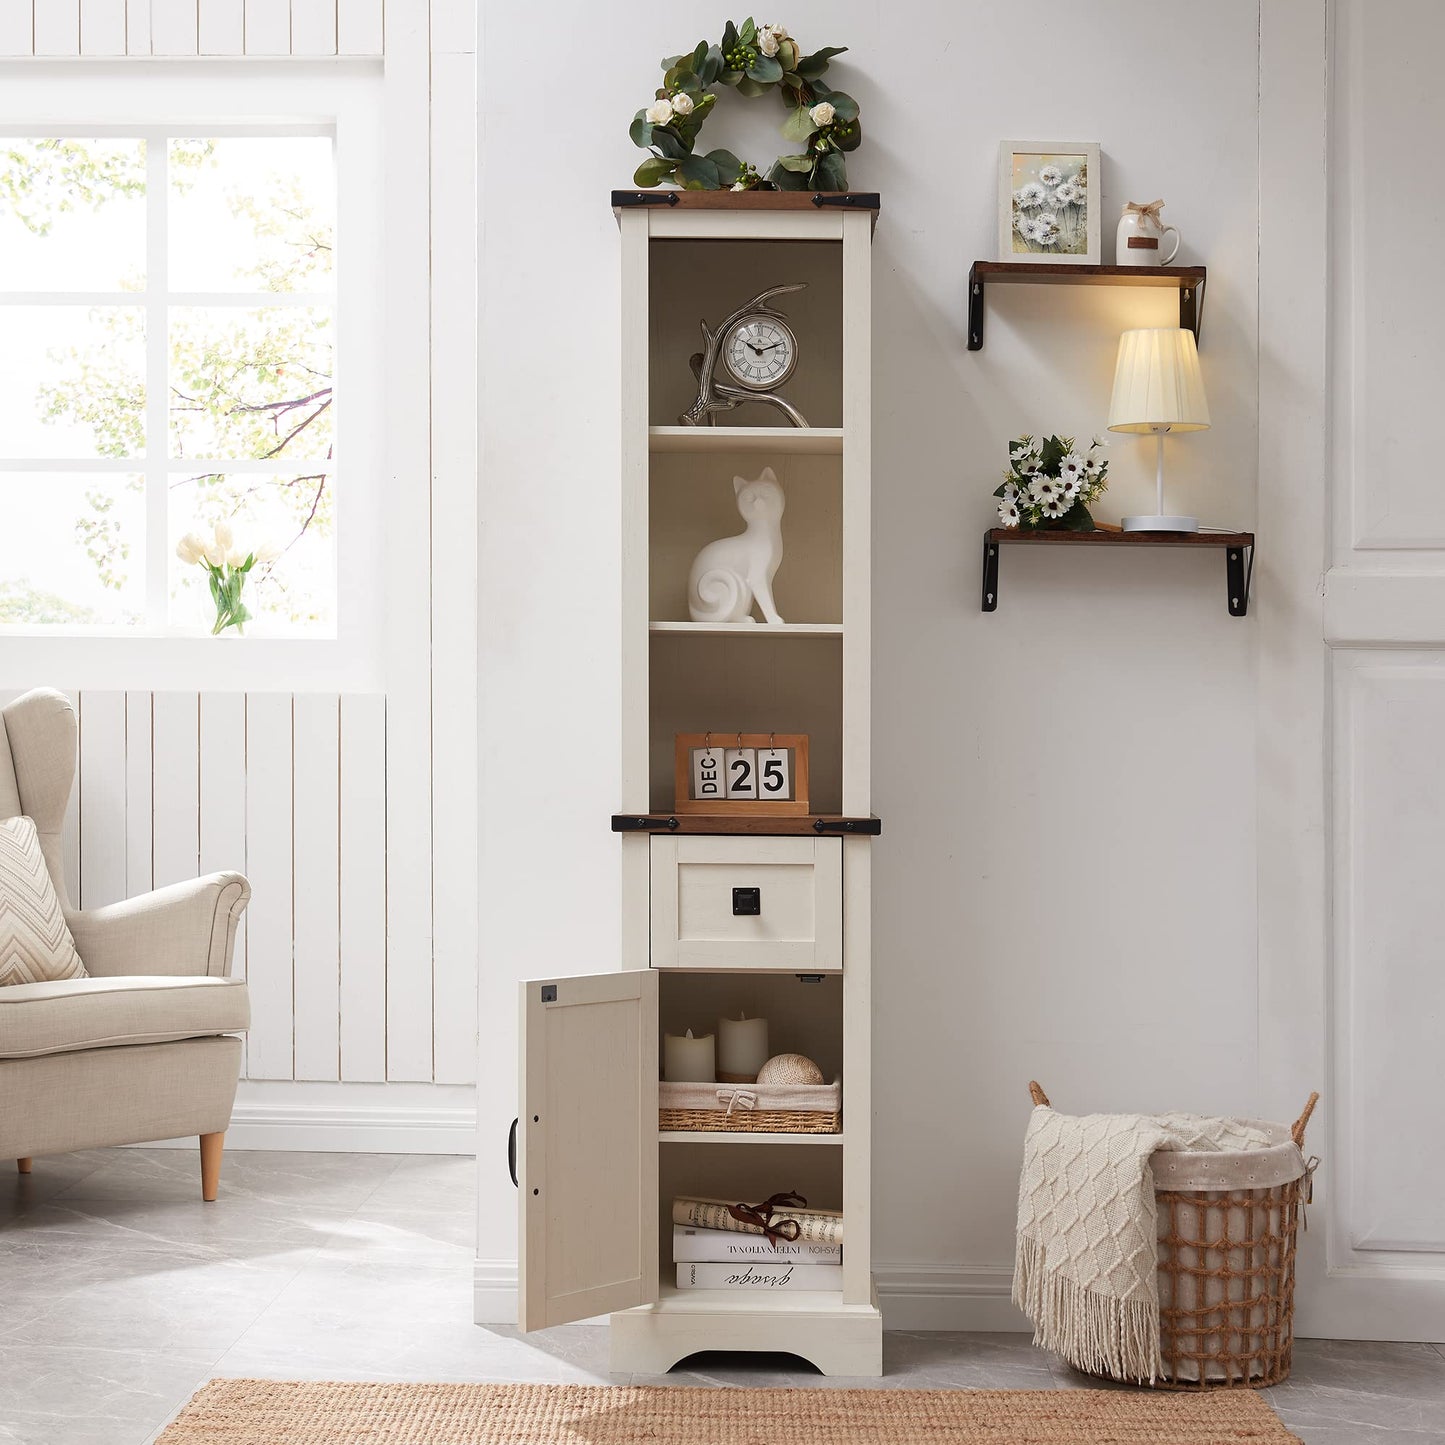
(1094, 1332)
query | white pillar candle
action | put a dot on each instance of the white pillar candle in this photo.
(742, 1049)
(686, 1060)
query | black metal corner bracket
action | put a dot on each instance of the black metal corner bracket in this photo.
(633, 823)
(975, 311)
(644, 198)
(868, 827)
(1239, 572)
(859, 200)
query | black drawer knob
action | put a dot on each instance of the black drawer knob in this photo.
(747, 902)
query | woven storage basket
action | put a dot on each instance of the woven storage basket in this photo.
(752, 1108)
(1227, 1227)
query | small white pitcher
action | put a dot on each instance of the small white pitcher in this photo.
(1139, 240)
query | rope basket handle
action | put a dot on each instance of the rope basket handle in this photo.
(1297, 1129)
(1039, 1097)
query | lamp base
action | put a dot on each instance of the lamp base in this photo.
(1160, 524)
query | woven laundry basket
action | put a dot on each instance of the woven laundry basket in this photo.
(1228, 1221)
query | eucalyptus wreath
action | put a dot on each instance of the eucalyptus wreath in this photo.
(753, 60)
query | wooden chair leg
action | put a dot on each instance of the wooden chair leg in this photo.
(23, 1165)
(211, 1146)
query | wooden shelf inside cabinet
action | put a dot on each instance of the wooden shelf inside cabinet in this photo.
(1187, 280)
(740, 1136)
(818, 825)
(789, 440)
(752, 629)
(1238, 548)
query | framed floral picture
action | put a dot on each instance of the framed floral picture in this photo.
(1048, 202)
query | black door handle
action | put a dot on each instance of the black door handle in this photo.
(512, 1152)
(747, 902)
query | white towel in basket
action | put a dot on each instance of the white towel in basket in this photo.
(1087, 1255)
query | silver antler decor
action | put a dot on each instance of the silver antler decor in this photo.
(713, 395)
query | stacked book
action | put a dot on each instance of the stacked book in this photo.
(712, 1250)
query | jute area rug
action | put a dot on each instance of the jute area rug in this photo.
(271, 1412)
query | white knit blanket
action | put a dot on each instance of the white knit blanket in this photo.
(1087, 1255)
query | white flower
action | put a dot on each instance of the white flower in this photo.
(1071, 466)
(1068, 194)
(1099, 441)
(768, 40)
(1070, 487)
(1031, 196)
(267, 552)
(213, 553)
(1051, 175)
(738, 186)
(236, 556)
(1044, 489)
(682, 103)
(1008, 514)
(660, 112)
(822, 113)
(224, 536)
(1046, 230)
(1055, 506)
(1020, 449)
(1030, 464)
(1093, 465)
(190, 549)
(1010, 494)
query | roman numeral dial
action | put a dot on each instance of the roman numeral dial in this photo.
(760, 352)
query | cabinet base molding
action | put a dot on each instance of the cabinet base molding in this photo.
(839, 1339)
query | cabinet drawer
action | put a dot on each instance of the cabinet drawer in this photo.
(735, 903)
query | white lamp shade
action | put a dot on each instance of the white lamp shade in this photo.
(1157, 385)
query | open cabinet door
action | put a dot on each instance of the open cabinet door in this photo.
(587, 1155)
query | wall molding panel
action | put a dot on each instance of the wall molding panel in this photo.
(104, 29)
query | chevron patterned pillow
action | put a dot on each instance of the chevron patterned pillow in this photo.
(35, 944)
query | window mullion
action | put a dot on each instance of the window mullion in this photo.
(157, 387)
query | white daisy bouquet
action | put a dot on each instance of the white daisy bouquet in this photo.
(1051, 483)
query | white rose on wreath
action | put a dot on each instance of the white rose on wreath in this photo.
(822, 113)
(659, 113)
(682, 103)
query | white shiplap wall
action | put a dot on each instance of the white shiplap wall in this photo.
(291, 790)
(109, 28)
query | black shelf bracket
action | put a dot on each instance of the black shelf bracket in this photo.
(1239, 572)
(1189, 309)
(975, 311)
(990, 576)
(635, 823)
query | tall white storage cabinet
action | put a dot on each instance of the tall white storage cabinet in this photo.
(597, 1175)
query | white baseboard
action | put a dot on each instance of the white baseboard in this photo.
(912, 1296)
(350, 1118)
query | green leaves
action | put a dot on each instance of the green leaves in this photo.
(816, 162)
(653, 171)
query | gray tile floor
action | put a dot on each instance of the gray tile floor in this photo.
(120, 1294)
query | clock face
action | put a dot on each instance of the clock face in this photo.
(760, 352)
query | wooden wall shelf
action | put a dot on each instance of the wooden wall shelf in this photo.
(1238, 550)
(1187, 280)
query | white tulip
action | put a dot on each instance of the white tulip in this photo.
(236, 556)
(822, 113)
(190, 549)
(267, 552)
(224, 535)
(682, 103)
(213, 554)
(659, 113)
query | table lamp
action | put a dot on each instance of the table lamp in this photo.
(1158, 388)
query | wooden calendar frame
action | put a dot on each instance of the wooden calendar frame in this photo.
(794, 807)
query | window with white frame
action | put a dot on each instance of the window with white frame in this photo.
(167, 319)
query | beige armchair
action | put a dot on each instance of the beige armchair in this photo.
(145, 1047)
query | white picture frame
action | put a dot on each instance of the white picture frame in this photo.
(1030, 176)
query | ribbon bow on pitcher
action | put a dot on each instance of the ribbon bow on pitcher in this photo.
(1149, 211)
(763, 1216)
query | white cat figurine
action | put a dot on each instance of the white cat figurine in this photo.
(729, 575)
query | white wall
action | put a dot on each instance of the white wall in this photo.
(1065, 884)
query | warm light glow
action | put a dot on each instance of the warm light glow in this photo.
(1157, 385)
